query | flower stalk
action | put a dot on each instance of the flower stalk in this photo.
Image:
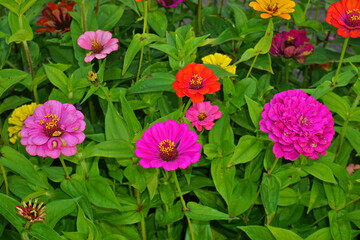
(83, 15)
(341, 60)
(183, 204)
(65, 168)
(5, 179)
(198, 17)
(140, 207)
(145, 8)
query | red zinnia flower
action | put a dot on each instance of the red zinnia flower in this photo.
(194, 81)
(345, 16)
(32, 212)
(55, 17)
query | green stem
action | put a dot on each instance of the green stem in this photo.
(83, 165)
(183, 204)
(145, 8)
(10, 64)
(27, 51)
(5, 179)
(65, 168)
(306, 8)
(221, 7)
(258, 192)
(36, 97)
(317, 10)
(198, 17)
(83, 15)
(24, 236)
(341, 60)
(343, 130)
(168, 225)
(142, 222)
(97, 7)
(287, 71)
(258, 52)
(185, 109)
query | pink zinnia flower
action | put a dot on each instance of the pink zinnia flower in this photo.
(100, 43)
(53, 129)
(170, 3)
(298, 124)
(203, 114)
(170, 145)
(352, 167)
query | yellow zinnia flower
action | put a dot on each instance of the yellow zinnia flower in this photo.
(17, 118)
(220, 60)
(274, 8)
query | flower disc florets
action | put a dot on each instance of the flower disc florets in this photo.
(298, 124)
(32, 212)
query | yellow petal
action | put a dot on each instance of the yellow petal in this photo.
(285, 16)
(265, 15)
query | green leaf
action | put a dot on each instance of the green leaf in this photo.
(174, 214)
(335, 195)
(21, 165)
(249, 53)
(223, 178)
(320, 171)
(254, 111)
(158, 21)
(101, 194)
(257, 232)
(11, 5)
(129, 217)
(9, 77)
(168, 49)
(109, 15)
(155, 82)
(287, 197)
(111, 149)
(43, 232)
(283, 234)
(204, 213)
(270, 192)
(317, 196)
(20, 36)
(13, 102)
(57, 78)
(263, 46)
(340, 229)
(219, 72)
(115, 126)
(25, 6)
(57, 209)
(130, 117)
(8, 211)
(246, 150)
(134, 176)
(322, 234)
(243, 195)
(353, 135)
(14, 23)
(337, 104)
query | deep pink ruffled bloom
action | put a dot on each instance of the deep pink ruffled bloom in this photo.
(293, 44)
(53, 129)
(170, 3)
(203, 114)
(100, 43)
(298, 124)
(170, 145)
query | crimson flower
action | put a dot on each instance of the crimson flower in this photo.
(55, 17)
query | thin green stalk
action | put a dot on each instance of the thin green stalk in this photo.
(185, 109)
(287, 71)
(36, 96)
(258, 192)
(343, 130)
(144, 31)
(257, 54)
(183, 203)
(5, 179)
(173, 16)
(10, 64)
(28, 56)
(168, 225)
(221, 7)
(317, 10)
(198, 17)
(83, 15)
(83, 165)
(341, 60)
(306, 8)
(65, 168)
(142, 222)
(97, 7)
(24, 236)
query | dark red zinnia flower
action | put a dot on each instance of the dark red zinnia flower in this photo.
(293, 44)
(345, 16)
(55, 17)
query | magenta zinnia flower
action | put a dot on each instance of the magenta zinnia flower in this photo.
(203, 114)
(53, 129)
(170, 145)
(298, 124)
(32, 212)
(293, 44)
(170, 3)
(100, 43)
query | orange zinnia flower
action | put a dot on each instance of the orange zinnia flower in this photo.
(194, 81)
(274, 8)
(345, 16)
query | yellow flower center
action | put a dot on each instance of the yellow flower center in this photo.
(202, 116)
(196, 82)
(51, 128)
(168, 151)
(96, 46)
(353, 18)
(92, 76)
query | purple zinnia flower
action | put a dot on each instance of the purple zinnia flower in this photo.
(53, 129)
(170, 145)
(170, 3)
(293, 44)
(298, 124)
